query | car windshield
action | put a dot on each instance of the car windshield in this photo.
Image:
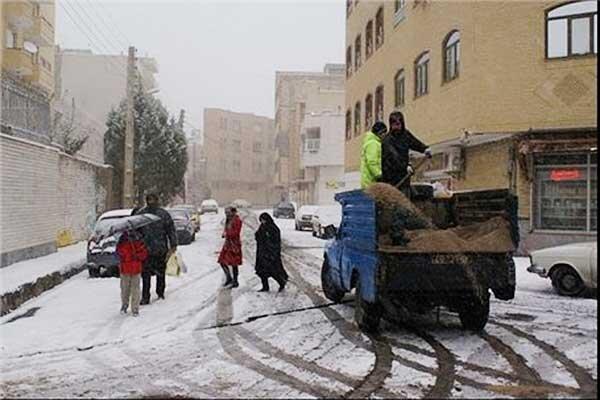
(308, 210)
(179, 214)
(285, 205)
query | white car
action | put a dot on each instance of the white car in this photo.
(102, 258)
(209, 205)
(326, 218)
(241, 204)
(304, 217)
(572, 267)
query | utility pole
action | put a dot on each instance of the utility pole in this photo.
(129, 133)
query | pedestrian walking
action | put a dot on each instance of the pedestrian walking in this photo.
(370, 156)
(396, 168)
(161, 241)
(268, 253)
(230, 257)
(132, 254)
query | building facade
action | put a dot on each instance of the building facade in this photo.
(297, 94)
(238, 149)
(321, 158)
(504, 92)
(27, 64)
(196, 186)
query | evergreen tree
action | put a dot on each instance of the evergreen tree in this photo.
(160, 158)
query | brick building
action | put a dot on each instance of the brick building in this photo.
(504, 92)
(296, 95)
(238, 149)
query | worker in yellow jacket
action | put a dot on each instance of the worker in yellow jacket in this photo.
(370, 157)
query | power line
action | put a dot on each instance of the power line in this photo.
(107, 41)
(93, 43)
(124, 43)
(116, 26)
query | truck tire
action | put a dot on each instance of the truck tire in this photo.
(331, 291)
(367, 315)
(566, 281)
(505, 288)
(474, 314)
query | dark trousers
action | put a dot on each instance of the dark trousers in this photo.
(157, 265)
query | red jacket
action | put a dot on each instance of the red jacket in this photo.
(231, 253)
(132, 255)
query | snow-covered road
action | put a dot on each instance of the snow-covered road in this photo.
(203, 341)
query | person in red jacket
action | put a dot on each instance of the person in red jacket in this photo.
(132, 254)
(231, 253)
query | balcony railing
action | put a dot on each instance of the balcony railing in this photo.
(41, 33)
(18, 61)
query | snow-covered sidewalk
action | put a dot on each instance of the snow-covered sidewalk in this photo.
(65, 262)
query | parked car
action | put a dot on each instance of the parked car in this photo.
(194, 214)
(571, 268)
(304, 217)
(102, 257)
(326, 221)
(186, 233)
(284, 209)
(209, 205)
(241, 204)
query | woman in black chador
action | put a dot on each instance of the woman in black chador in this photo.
(268, 253)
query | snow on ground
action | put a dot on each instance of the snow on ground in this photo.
(204, 341)
(15, 275)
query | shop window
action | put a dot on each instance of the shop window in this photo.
(572, 29)
(451, 56)
(422, 74)
(348, 125)
(369, 39)
(566, 192)
(369, 111)
(357, 53)
(399, 86)
(379, 30)
(379, 103)
(357, 124)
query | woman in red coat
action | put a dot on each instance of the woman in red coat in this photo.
(231, 253)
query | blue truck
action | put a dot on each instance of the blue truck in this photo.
(395, 282)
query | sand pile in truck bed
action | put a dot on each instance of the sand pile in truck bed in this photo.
(405, 228)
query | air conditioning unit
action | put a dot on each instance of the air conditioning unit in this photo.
(453, 161)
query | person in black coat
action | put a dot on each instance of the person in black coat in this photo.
(268, 253)
(395, 161)
(161, 240)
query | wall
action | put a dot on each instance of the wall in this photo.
(47, 197)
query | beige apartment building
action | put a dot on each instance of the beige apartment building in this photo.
(27, 38)
(238, 150)
(503, 91)
(296, 95)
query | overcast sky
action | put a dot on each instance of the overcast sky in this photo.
(215, 53)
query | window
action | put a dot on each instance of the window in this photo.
(369, 39)
(379, 103)
(257, 147)
(349, 62)
(11, 39)
(369, 111)
(451, 56)
(572, 29)
(357, 53)
(223, 123)
(379, 28)
(236, 166)
(399, 10)
(566, 192)
(312, 143)
(399, 86)
(236, 126)
(237, 145)
(348, 125)
(422, 74)
(357, 125)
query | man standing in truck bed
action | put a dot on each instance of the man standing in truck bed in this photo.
(395, 158)
(370, 156)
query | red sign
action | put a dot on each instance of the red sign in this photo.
(565, 174)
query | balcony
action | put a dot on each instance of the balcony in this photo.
(19, 15)
(41, 33)
(19, 61)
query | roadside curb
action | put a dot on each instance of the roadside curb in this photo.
(13, 300)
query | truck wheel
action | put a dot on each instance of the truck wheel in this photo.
(331, 291)
(367, 315)
(566, 281)
(93, 272)
(474, 315)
